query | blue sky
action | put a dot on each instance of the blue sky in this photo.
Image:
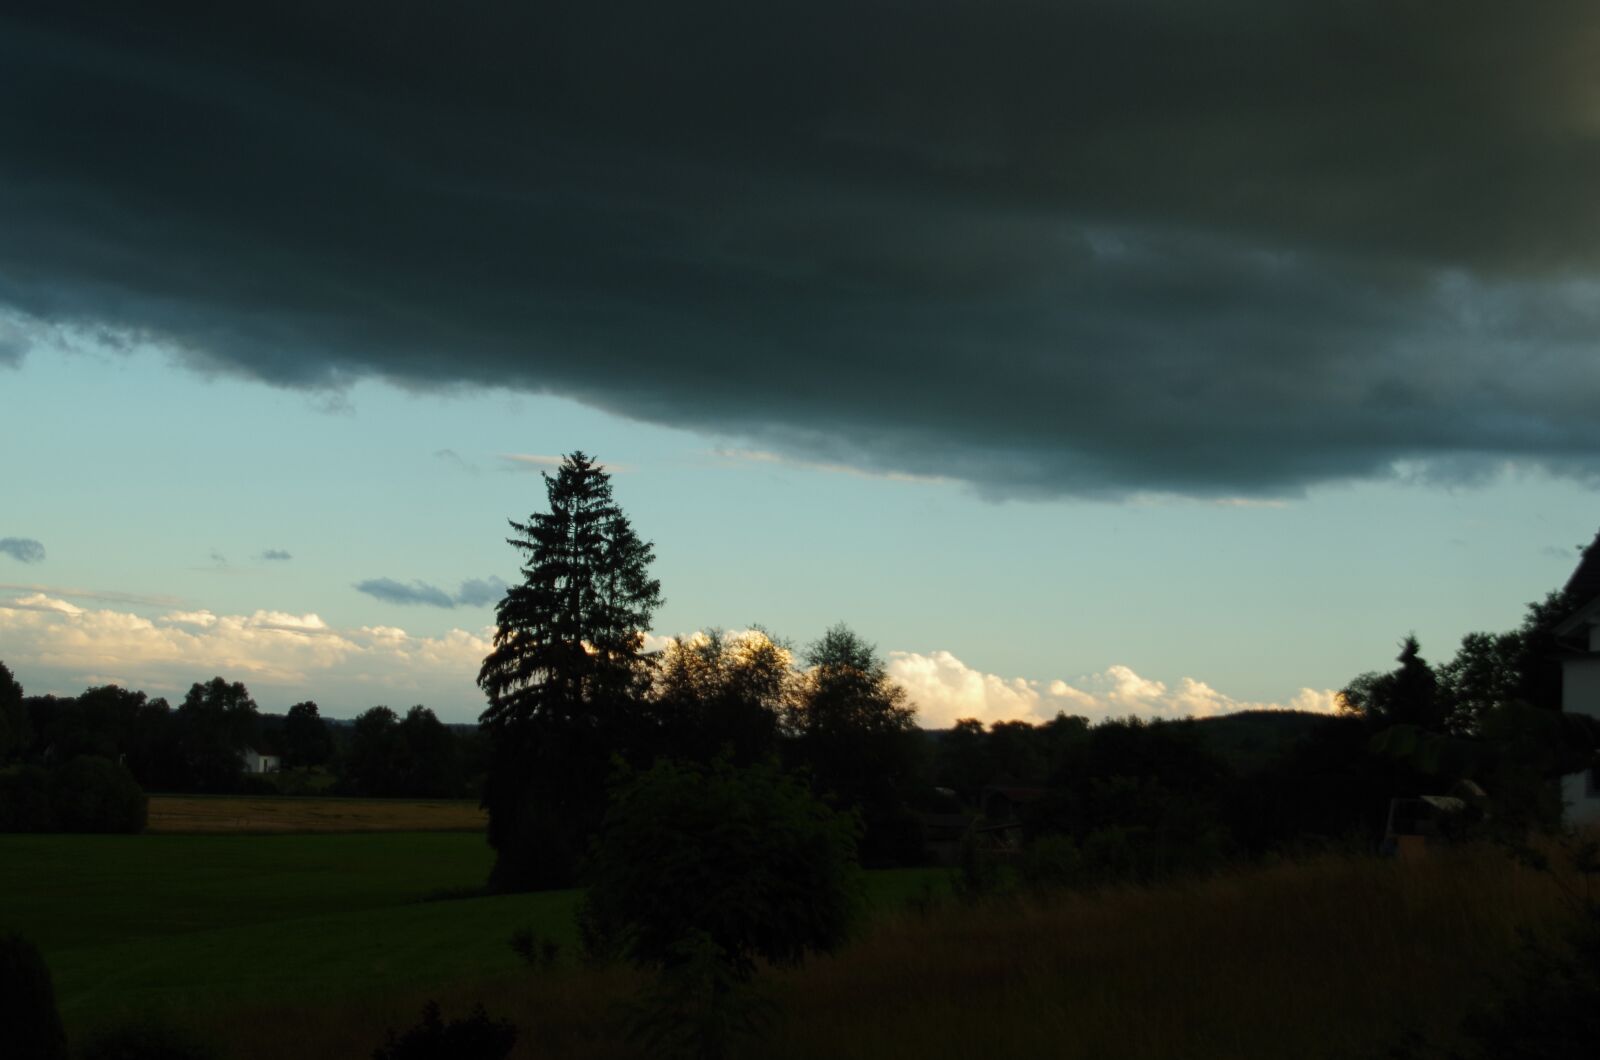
(157, 490)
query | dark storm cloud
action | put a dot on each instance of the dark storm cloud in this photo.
(474, 592)
(276, 554)
(22, 549)
(1229, 248)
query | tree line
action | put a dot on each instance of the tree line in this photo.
(198, 746)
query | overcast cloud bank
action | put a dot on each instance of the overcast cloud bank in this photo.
(1231, 249)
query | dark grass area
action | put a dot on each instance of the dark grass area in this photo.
(196, 922)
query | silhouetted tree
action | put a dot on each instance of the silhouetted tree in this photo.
(963, 758)
(427, 755)
(1407, 695)
(14, 728)
(371, 762)
(1496, 669)
(565, 678)
(306, 740)
(215, 723)
(718, 694)
(853, 727)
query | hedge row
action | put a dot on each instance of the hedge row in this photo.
(87, 794)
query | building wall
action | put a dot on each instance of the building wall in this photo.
(1580, 694)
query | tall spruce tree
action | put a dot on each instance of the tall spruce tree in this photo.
(566, 677)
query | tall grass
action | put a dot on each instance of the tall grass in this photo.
(1331, 957)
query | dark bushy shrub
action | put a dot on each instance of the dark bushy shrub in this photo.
(746, 857)
(146, 1039)
(475, 1038)
(92, 794)
(25, 802)
(30, 1025)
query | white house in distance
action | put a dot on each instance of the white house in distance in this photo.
(1580, 679)
(256, 762)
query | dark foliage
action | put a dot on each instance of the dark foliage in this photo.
(716, 695)
(87, 794)
(1407, 695)
(91, 794)
(305, 738)
(746, 857)
(474, 1037)
(856, 733)
(30, 1025)
(26, 800)
(15, 733)
(699, 1006)
(535, 950)
(415, 756)
(566, 679)
(215, 723)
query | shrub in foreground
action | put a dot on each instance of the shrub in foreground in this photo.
(477, 1037)
(88, 794)
(747, 858)
(30, 1025)
(92, 794)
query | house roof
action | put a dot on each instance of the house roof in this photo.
(1584, 587)
(1585, 581)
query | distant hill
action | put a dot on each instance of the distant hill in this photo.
(1251, 740)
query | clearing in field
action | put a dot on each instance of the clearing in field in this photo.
(274, 813)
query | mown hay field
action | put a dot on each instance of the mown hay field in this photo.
(273, 813)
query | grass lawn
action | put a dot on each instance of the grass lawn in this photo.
(196, 922)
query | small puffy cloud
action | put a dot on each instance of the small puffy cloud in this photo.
(474, 592)
(944, 689)
(393, 592)
(22, 549)
(276, 554)
(41, 602)
(191, 618)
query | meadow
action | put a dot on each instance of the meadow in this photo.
(293, 813)
(312, 945)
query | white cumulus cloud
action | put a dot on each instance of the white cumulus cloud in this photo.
(280, 655)
(944, 689)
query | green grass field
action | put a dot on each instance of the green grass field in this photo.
(313, 945)
(200, 921)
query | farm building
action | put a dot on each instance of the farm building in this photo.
(256, 762)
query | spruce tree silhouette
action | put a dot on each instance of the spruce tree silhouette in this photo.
(566, 678)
